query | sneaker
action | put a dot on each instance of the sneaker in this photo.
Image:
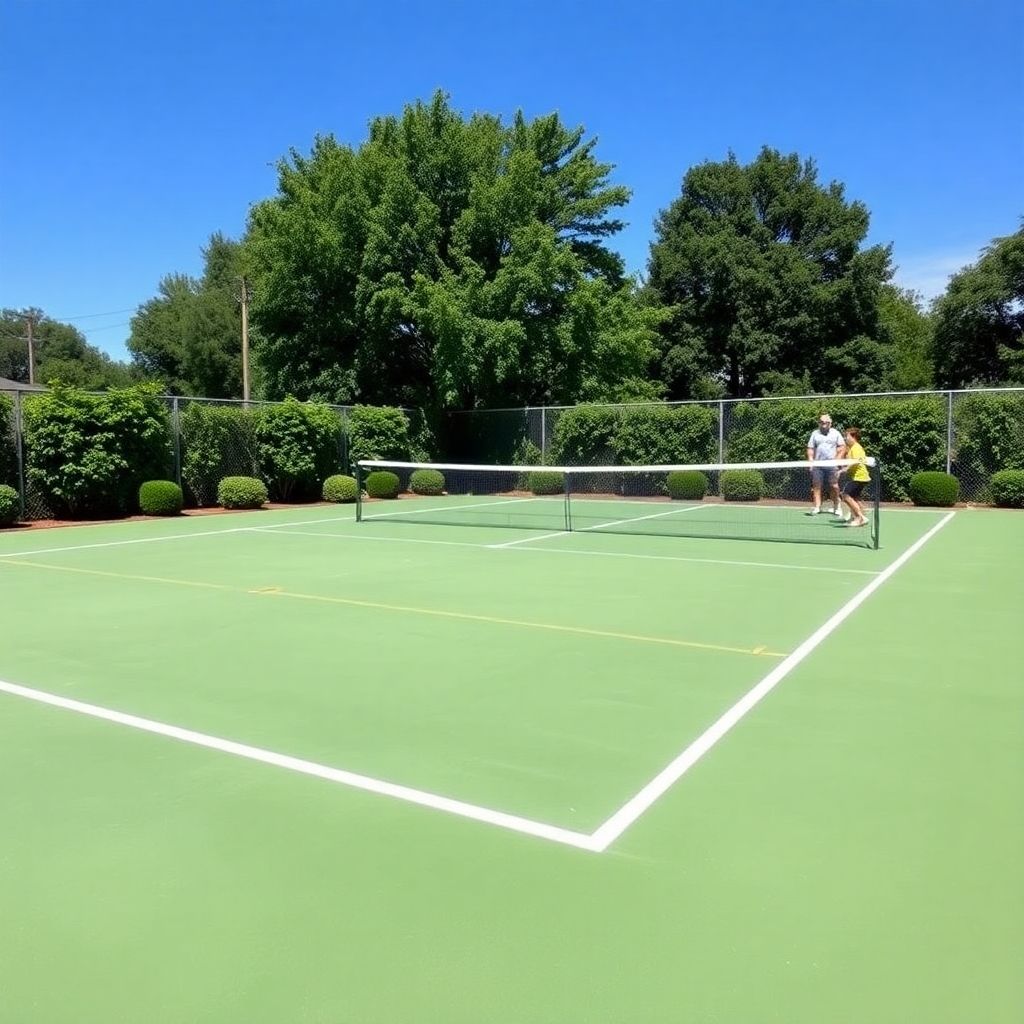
(813, 512)
(838, 512)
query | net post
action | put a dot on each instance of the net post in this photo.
(359, 492)
(568, 506)
(878, 501)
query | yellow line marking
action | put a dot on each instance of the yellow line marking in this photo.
(408, 609)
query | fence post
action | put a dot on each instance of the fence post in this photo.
(176, 422)
(543, 433)
(949, 431)
(721, 431)
(19, 447)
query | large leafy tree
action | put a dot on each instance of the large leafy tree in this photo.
(767, 282)
(979, 322)
(61, 353)
(189, 336)
(447, 262)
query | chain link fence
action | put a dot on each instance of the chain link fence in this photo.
(971, 434)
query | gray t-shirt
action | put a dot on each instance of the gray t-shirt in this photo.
(825, 445)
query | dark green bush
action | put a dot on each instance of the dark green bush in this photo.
(9, 505)
(216, 441)
(687, 485)
(426, 481)
(241, 492)
(340, 488)
(935, 489)
(297, 445)
(87, 454)
(742, 485)
(378, 432)
(160, 498)
(988, 432)
(583, 435)
(8, 452)
(542, 481)
(383, 484)
(651, 435)
(1007, 487)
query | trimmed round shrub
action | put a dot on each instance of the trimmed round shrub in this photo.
(9, 505)
(426, 481)
(161, 498)
(542, 481)
(742, 485)
(687, 485)
(241, 492)
(933, 488)
(383, 484)
(1007, 488)
(340, 488)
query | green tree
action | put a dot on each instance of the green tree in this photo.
(447, 262)
(908, 329)
(765, 280)
(979, 322)
(189, 336)
(61, 353)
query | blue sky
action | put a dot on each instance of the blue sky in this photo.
(132, 131)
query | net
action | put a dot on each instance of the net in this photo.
(767, 501)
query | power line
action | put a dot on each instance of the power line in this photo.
(91, 316)
(107, 327)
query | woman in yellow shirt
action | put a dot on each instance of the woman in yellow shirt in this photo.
(857, 477)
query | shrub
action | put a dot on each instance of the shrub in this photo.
(341, 489)
(8, 452)
(650, 435)
(687, 485)
(583, 435)
(216, 441)
(546, 482)
(160, 498)
(989, 437)
(426, 481)
(934, 488)
(9, 505)
(378, 432)
(297, 445)
(1007, 488)
(742, 485)
(87, 454)
(241, 492)
(383, 484)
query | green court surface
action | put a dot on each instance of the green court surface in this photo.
(286, 767)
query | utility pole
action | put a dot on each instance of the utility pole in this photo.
(29, 323)
(245, 340)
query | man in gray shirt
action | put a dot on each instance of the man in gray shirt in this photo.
(825, 443)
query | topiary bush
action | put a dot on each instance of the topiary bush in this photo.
(241, 492)
(9, 505)
(341, 489)
(935, 489)
(161, 498)
(543, 481)
(687, 485)
(1007, 487)
(383, 484)
(426, 481)
(742, 485)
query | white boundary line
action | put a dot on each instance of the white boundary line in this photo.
(603, 836)
(297, 764)
(636, 519)
(448, 508)
(668, 776)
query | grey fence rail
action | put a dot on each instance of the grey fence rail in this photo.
(971, 433)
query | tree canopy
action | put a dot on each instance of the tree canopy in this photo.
(979, 322)
(768, 285)
(61, 353)
(189, 336)
(447, 262)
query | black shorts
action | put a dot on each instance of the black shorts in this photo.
(854, 487)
